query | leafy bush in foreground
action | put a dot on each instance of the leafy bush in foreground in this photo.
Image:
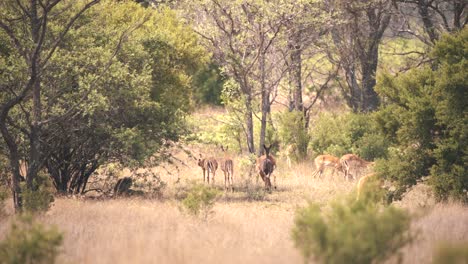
(29, 242)
(350, 232)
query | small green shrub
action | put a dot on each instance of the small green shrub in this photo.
(350, 232)
(327, 135)
(3, 197)
(40, 198)
(292, 131)
(30, 242)
(200, 200)
(348, 133)
(371, 146)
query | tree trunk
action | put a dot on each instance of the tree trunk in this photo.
(14, 164)
(249, 124)
(423, 8)
(369, 69)
(265, 104)
(355, 95)
(35, 156)
(295, 72)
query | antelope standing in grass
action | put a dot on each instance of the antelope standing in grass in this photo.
(323, 161)
(364, 181)
(266, 164)
(208, 165)
(288, 152)
(349, 161)
(227, 166)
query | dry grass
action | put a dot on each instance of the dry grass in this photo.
(441, 224)
(239, 230)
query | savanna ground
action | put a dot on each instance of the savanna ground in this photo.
(245, 226)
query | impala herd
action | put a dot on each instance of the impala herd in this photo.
(266, 164)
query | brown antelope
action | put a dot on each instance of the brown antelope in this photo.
(349, 161)
(288, 152)
(363, 181)
(208, 165)
(227, 166)
(322, 161)
(266, 164)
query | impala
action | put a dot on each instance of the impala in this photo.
(227, 166)
(266, 164)
(323, 161)
(208, 165)
(349, 161)
(288, 152)
(363, 181)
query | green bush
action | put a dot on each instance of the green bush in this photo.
(40, 198)
(200, 200)
(350, 232)
(327, 135)
(292, 131)
(424, 113)
(403, 167)
(3, 197)
(208, 83)
(30, 242)
(451, 254)
(348, 133)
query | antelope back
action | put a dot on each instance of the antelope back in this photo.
(266, 166)
(227, 165)
(211, 164)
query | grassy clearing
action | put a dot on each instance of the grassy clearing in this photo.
(240, 230)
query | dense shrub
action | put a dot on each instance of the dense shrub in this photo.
(3, 197)
(41, 197)
(350, 232)
(348, 133)
(424, 113)
(292, 131)
(327, 135)
(208, 84)
(30, 242)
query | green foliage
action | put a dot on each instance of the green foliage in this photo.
(116, 87)
(350, 232)
(40, 198)
(451, 254)
(403, 167)
(30, 242)
(200, 199)
(425, 114)
(348, 133)
(292, 131)
(208, 84)
(3, 197)
(327, 135)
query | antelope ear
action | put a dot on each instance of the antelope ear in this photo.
(222, 148)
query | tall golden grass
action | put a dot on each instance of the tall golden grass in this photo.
(135, 230)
